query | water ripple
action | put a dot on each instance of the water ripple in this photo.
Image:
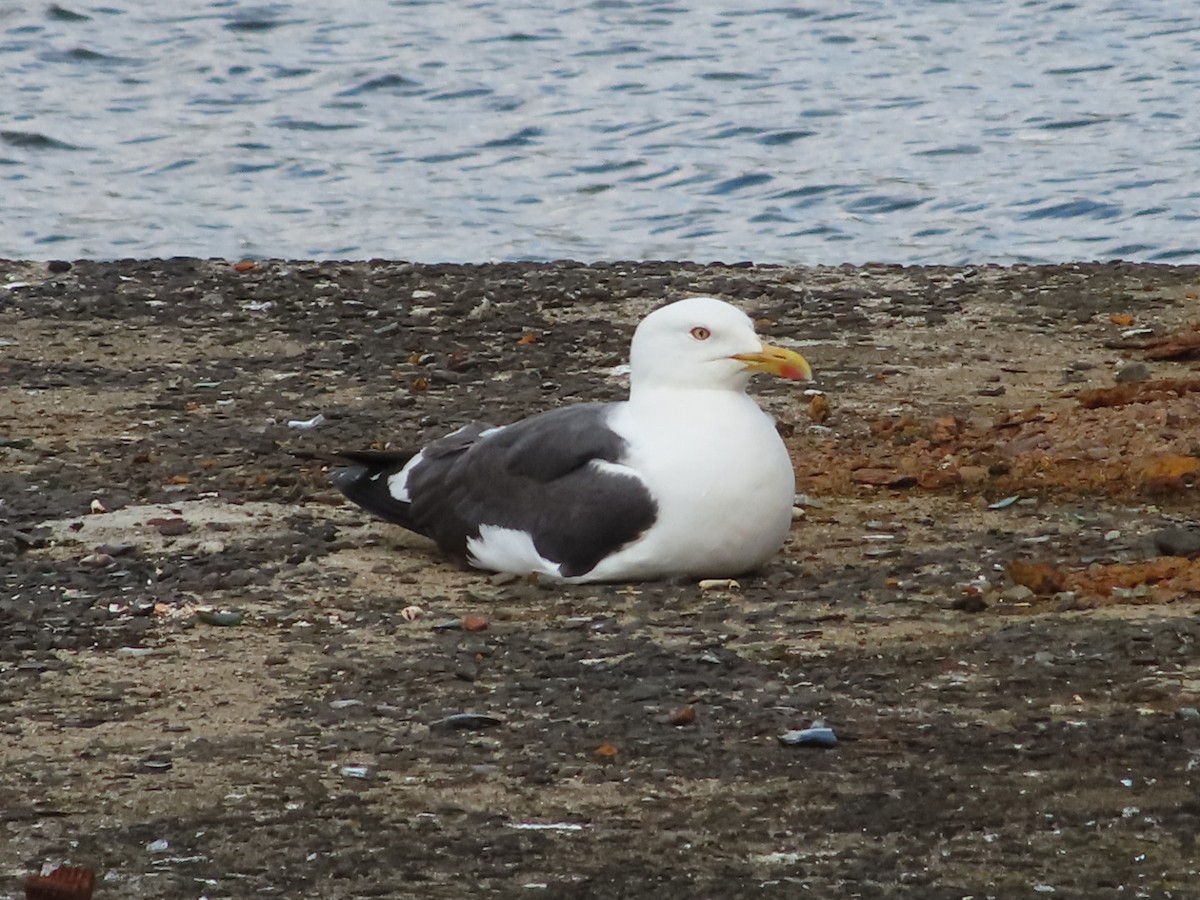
(523, 138)
(252, 23)
(389, 84)
(778, 138)
(1075, 209)
(290, 124)
(876, 204)
(1064, 124)
(908, 131)
(956, 150)
(83, 55)
(62, 14)
(32, 140)
(741, 182)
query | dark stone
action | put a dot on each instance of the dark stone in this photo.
(1180, 541)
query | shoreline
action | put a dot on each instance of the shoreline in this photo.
(957, 450)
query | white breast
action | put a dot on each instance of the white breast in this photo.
(721, 476)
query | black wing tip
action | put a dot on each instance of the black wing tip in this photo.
(346, 478)
(362, 477)
(367, 487)
(371, 459)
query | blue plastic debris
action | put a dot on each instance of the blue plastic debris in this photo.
(818, 735)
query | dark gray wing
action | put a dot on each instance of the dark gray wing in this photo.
(363, 475)
(533, 476)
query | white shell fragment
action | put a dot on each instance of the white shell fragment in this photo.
(306, 424)
(1137, 331)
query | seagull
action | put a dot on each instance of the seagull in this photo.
(688, 478)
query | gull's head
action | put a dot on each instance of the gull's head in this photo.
(706, 343)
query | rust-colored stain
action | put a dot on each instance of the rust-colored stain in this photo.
(64, 883)
(1160, 580)
(1130, 441)
(1134, 443)
(1182, 344)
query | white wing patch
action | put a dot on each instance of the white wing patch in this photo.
(508, 550)
(398, 483)
(612, 468)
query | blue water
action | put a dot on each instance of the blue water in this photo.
(906, 131)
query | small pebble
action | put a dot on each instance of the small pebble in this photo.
(170, 527)
(221, 617)
(30, 540)
(116, 549)
(683, 716)
(881, 552)
(972, 603)
(474, 623)
(1017, 593)
(1177, 541)
(1132, 372)
(467, 721)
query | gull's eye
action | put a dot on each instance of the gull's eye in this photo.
(701, 333)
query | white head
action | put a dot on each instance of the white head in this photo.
(705, 343)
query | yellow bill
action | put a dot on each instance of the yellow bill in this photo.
(778, 361)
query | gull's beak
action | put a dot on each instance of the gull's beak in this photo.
(777, 361)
